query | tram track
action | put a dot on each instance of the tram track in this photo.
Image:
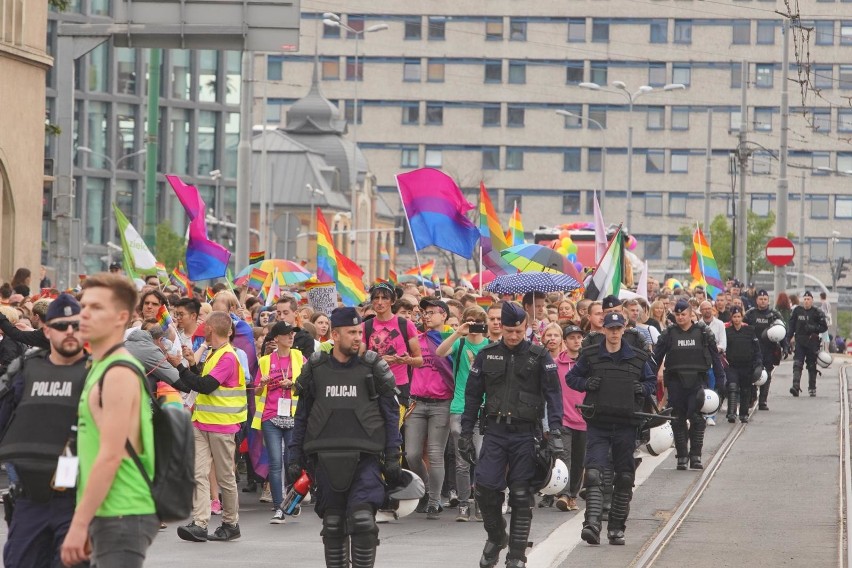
(844, 551)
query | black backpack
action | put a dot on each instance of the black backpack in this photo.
(174, 456)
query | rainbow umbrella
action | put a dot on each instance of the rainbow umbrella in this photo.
(291, 272)
(672, 283)
(538, 258)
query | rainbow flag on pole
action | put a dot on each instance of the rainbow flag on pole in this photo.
(426, 269)
(515, 234)
(392, 278)
(256, 278)
(493, 240)
(180, 279)
(332, 266)
(383, 252)
(257, 256)
(164, 318)
(703, 265)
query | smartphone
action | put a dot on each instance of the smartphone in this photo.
(477, 328)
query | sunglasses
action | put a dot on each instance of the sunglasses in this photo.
(63, 325)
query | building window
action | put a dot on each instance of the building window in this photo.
(435, 72)
(822, 120)
(411, 113)
(844, 162)
(845, 33)
(576, 29)
(659, 31)
(356, 22)
(517, 29)
(125, 133)
(600, 31)
(824, 31)
(820, 161)
(761, 164)
(434, 158)
(760, 205)
(763, 74)
(208, 127)
(274, 67)
(735, 120)
(274, 108)
(762, 119)
(434, 113)
(656, 117)
(653, 246)
(680, 118)
(682, 74)
(654, 204)
(598, 113)
(595, 159)
(330, 31)
(330, 68)
(656, 74)
(844, 120)
(842, 207)
(514, 115)
(680, 162)
(410, 157)
(736, 75)
(598, 72)
(494, 71)
(126, 59)
(571, 160)
(765, 32)
(819, 250)
(517, 72)
(677, 205)
(494, 29)
(570, 202)
(819, 207)
(741, 32)
(437, 28)
(845, 77)
(823, 76)
(180, 75)
(510, 199)
(573, 121)
(574, 72)
(683, 31)
(491, 158)
(675, 247)
(413, 27)
(491, 115)
(353, 72)
(349, 112)
(411, 70)
(514, 159)
(655, 161)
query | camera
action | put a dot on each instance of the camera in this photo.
(477, 328)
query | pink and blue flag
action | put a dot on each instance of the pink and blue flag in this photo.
(436, 211)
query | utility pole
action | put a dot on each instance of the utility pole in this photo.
(800, 261)
(741, 271)
(782, 195)
(244, 163)
(707, 174)
(150, 226)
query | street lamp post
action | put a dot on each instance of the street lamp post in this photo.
(333, 20)
(112, 191)
(569, 114)
(621, 88)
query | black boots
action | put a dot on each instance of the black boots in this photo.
(680, 439)
(594, 507)
(733, 402)
(621, 496)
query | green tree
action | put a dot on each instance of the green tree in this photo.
(170, 247)
(759, 230)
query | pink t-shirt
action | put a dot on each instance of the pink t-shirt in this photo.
(227, 373)
(387, 339)
(426, 381)
(280, 368)
(571, 417)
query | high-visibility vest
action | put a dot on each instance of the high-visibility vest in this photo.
(225, 405)
(260, 396)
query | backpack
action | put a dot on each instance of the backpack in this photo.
(401, 322)
(174, 455)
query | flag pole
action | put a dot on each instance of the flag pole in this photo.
(480, 267)
(700, 257)
(410, 232)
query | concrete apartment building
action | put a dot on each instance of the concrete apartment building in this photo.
(473, 88)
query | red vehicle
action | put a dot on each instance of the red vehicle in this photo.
(582, 234)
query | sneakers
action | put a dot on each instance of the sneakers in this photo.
(762, 406)
(504, 508)
(266, 496)
(477, 514)
(572, 504)
(565, 503)
(163, 526)
(277, 518)
(422, 504)
(433, 512)
(453, 501)
(812, 392)
(192, 533)
(464, 513)
(711, 421)
(546, 502)
(225, 532)
(794, 390)
(215, 507)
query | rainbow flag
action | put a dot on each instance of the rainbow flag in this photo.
(493, 240)
(256, 278)
(275, 288)
(447, 280)
(180, 279)
(484, 302)
(257, 256)
(332, 266)
(209, 295)
(515, 234)
(164, 318)
(383, 252)
(392, 278)
(426, 269)
(162, 273)
(703, 266)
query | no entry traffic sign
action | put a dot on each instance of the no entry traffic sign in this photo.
(780, 251)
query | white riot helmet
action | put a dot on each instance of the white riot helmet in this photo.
(661, 439)
(764, 376)
(824, 359)
(558, 479)
(711, 402)
(776, 332)
(402, 499)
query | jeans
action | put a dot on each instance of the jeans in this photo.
(462, 467)
(429, 422)
(273, 436)
(122, 542)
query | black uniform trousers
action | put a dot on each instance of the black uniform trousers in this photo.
(805, 354)
(37, 532)
(620, 438)
(367, 488)
(507, 457)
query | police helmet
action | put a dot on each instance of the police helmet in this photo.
(764, 376)
(824, 359)
(708, 401)
(557, 480)
(401, 500)
(776, 332)
(661, 439)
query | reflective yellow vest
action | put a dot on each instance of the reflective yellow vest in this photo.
(260, 396)
(225, 405)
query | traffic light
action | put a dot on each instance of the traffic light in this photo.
(400, 234)
(840, 269)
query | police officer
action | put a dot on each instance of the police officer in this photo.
(616, 378)
(806, 323)
(37, 417)
(745, 364)
(761, 318)
(347, 435)
(517, 379)
(689, 349)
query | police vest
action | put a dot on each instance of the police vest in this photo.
(688, 350)
(761, 320)
(345, 415)
(41, 425)
(808, 322)
(260, 396)
(513, 382)
(615, 401)
(225, 405)
(740, 345)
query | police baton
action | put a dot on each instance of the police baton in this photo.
(649, 415)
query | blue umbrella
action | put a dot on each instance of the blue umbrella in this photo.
(524, 282)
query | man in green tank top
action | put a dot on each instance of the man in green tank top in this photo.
(115, 521)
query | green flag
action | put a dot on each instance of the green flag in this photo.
(138, 260)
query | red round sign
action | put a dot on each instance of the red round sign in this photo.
(780, 251)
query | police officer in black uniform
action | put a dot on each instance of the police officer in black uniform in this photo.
(745, 364)
(347, 437)
(36, 418)
(761, 318)
(518, 380)
(617, 378)
(806, 323)
(689, 349)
